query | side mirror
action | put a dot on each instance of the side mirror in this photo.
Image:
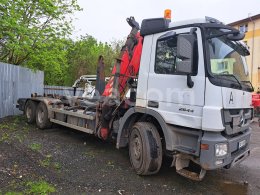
(185, 52)
(236, 36)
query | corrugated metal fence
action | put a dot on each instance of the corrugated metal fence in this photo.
(61, 90)
(17, 82)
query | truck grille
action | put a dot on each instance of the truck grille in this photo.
(237, 120)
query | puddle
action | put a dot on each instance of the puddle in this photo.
(232, 188)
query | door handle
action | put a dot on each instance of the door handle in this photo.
(153, 104)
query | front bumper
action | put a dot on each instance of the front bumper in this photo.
(234, 155)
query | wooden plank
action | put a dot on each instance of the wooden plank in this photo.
(72, 126)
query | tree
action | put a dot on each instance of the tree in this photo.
(83, 57)
(34, 34)
(53, 59)
(27, 26)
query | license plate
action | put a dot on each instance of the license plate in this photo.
(241, 144)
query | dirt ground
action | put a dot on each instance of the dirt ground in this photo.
(64, 161)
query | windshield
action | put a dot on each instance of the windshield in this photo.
(227, 59)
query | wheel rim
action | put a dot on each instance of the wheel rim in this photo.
(136, 149)
(40, 116)
(28, 112)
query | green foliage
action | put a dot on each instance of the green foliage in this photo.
(35, 147)
(13, 193)
(27, 25)
(34, 34)
(5, 137)
(83, 57)
(52, 58)
(4, 126)
(41, 188)
(47, 161)
(57, 166)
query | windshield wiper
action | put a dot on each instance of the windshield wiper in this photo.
(231, 75)
(245, 50)
(252, 88)
(222, 34)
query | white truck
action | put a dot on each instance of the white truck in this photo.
(191, 100)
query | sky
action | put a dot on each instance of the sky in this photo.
(106, 19)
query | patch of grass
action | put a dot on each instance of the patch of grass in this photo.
(4, 137)
(18, 118)
(13, 193)
(40, 187)
(4, 127)
(35, 147)
(19, 137)
(47, 161)
(25, 128)
(11, 126)
(57, 165)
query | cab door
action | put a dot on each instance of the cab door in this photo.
(167, 90)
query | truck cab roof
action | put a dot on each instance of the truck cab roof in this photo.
(187, 22)
(156, 25)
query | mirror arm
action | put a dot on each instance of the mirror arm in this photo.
(190, 82)
(193, 30)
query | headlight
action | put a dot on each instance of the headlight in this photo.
(221, 149)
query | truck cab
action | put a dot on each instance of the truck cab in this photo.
(193, 77)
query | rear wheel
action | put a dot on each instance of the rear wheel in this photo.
(30, 111)
(42, 120)
(145, 148)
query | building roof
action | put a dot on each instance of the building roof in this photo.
(245, 20)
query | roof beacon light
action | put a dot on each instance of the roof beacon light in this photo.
(167, 14)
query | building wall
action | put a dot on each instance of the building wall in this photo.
(252, 39)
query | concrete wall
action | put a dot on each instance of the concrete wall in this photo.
(17, 82)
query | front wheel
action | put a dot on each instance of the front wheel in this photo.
(42, 120)
(145, 148)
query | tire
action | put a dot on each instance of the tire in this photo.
(42, 120)
(30, 111)
(145, 148)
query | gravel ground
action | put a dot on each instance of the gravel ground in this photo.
(71, 162)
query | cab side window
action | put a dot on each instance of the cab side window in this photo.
(166, 56)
